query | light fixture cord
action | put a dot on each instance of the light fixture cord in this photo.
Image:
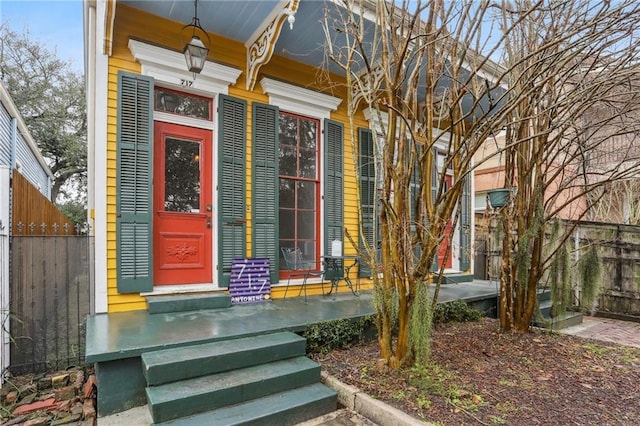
(196, 21)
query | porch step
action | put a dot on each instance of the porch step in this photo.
(284, 408)
(454, 278)
(187, 302)
(555, 322)
(197, 395)
(566, 320)
(171, 365)
(544, 295)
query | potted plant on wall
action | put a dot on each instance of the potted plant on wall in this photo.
(500, 197)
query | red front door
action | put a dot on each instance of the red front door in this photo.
(182, 205)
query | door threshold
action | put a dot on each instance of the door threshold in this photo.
(182, 288)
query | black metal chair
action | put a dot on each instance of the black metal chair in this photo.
(300, 267)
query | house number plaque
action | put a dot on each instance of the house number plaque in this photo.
(250, 280)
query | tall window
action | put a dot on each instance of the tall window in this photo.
(299, 184)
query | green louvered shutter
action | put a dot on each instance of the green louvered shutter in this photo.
(232, 116)
(134, 201)
(465, 225)
(333, 183)
(366, 166)
(265, 186)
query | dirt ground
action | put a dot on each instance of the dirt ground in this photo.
(479, 375)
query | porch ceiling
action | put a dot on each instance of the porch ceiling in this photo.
(243, 20)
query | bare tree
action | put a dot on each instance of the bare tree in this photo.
(618, 202)
(50, 98)
(434, 103)
(570, 68)
(422, 70)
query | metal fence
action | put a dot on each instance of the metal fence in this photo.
(50, 298)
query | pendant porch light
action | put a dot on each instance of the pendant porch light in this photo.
(195, 51)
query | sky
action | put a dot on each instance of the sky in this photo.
(55, 23)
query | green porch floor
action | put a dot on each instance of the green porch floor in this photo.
(116, 341)
(129, 334)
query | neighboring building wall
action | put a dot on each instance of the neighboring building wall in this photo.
(30, 168)
(5, 137)
(490, 174)
(28, 159)
(166, 33)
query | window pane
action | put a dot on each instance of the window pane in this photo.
(288, 130)
(287, 194)
(182, 104)
(288, 161)
(306, 225)
(308, 163)
(182, 176)
(287, 225)
(308, 249)
(306, 195)
(308, 134)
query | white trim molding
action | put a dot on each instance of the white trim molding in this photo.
(169, 67)
(299, 100)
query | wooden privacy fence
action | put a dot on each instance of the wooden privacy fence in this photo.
(31, 209)
(618, 247)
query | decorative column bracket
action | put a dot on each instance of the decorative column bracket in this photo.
(368, 87)
(259, 52)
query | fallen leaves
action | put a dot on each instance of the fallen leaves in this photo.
(509, 378)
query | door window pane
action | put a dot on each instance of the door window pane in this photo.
(182, 176)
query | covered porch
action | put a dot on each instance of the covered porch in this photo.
(117, 341)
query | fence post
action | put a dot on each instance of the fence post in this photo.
(5, 226)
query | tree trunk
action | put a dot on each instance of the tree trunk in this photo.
(384, 325)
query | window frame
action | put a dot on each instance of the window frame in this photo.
(317, 181)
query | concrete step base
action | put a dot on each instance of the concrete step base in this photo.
(284, 408)
(171, 365)
(188, 397)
